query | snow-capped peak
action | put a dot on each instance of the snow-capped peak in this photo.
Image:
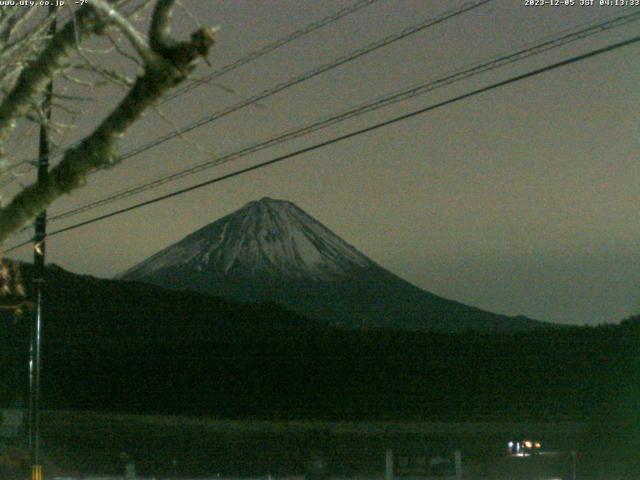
(265, 238)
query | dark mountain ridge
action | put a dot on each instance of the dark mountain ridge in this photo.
(85, 308)
(126, 346)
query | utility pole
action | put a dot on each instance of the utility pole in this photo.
(40, 226)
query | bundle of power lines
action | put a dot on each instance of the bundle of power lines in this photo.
(377, 103)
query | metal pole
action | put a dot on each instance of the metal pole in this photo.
(457, 460)
(40, 225)
(388, 475)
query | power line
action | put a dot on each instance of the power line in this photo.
(310, 74)
(269, 48)
(300, 78)
(296, 80)
(355, 133)
(293, 81)
(378, 103)
(236, 63)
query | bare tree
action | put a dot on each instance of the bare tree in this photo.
(30, 58)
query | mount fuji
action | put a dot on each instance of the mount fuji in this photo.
(272, 251)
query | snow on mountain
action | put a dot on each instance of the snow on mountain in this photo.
(272, 251)
(264, 238)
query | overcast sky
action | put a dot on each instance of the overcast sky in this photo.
(522, 200)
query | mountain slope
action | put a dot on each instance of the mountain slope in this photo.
(130, 347)
(269, 238)
(271, 250)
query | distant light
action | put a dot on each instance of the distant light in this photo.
(510, 444)
(527, 444)
(538, 445)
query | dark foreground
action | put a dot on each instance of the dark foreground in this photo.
(76, 443)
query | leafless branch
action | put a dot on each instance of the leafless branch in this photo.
(180, 135)
(167, 62)
(121, 51)
(34, 78)
(113, 17)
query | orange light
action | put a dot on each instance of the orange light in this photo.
(537, 444)
(527, 444)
